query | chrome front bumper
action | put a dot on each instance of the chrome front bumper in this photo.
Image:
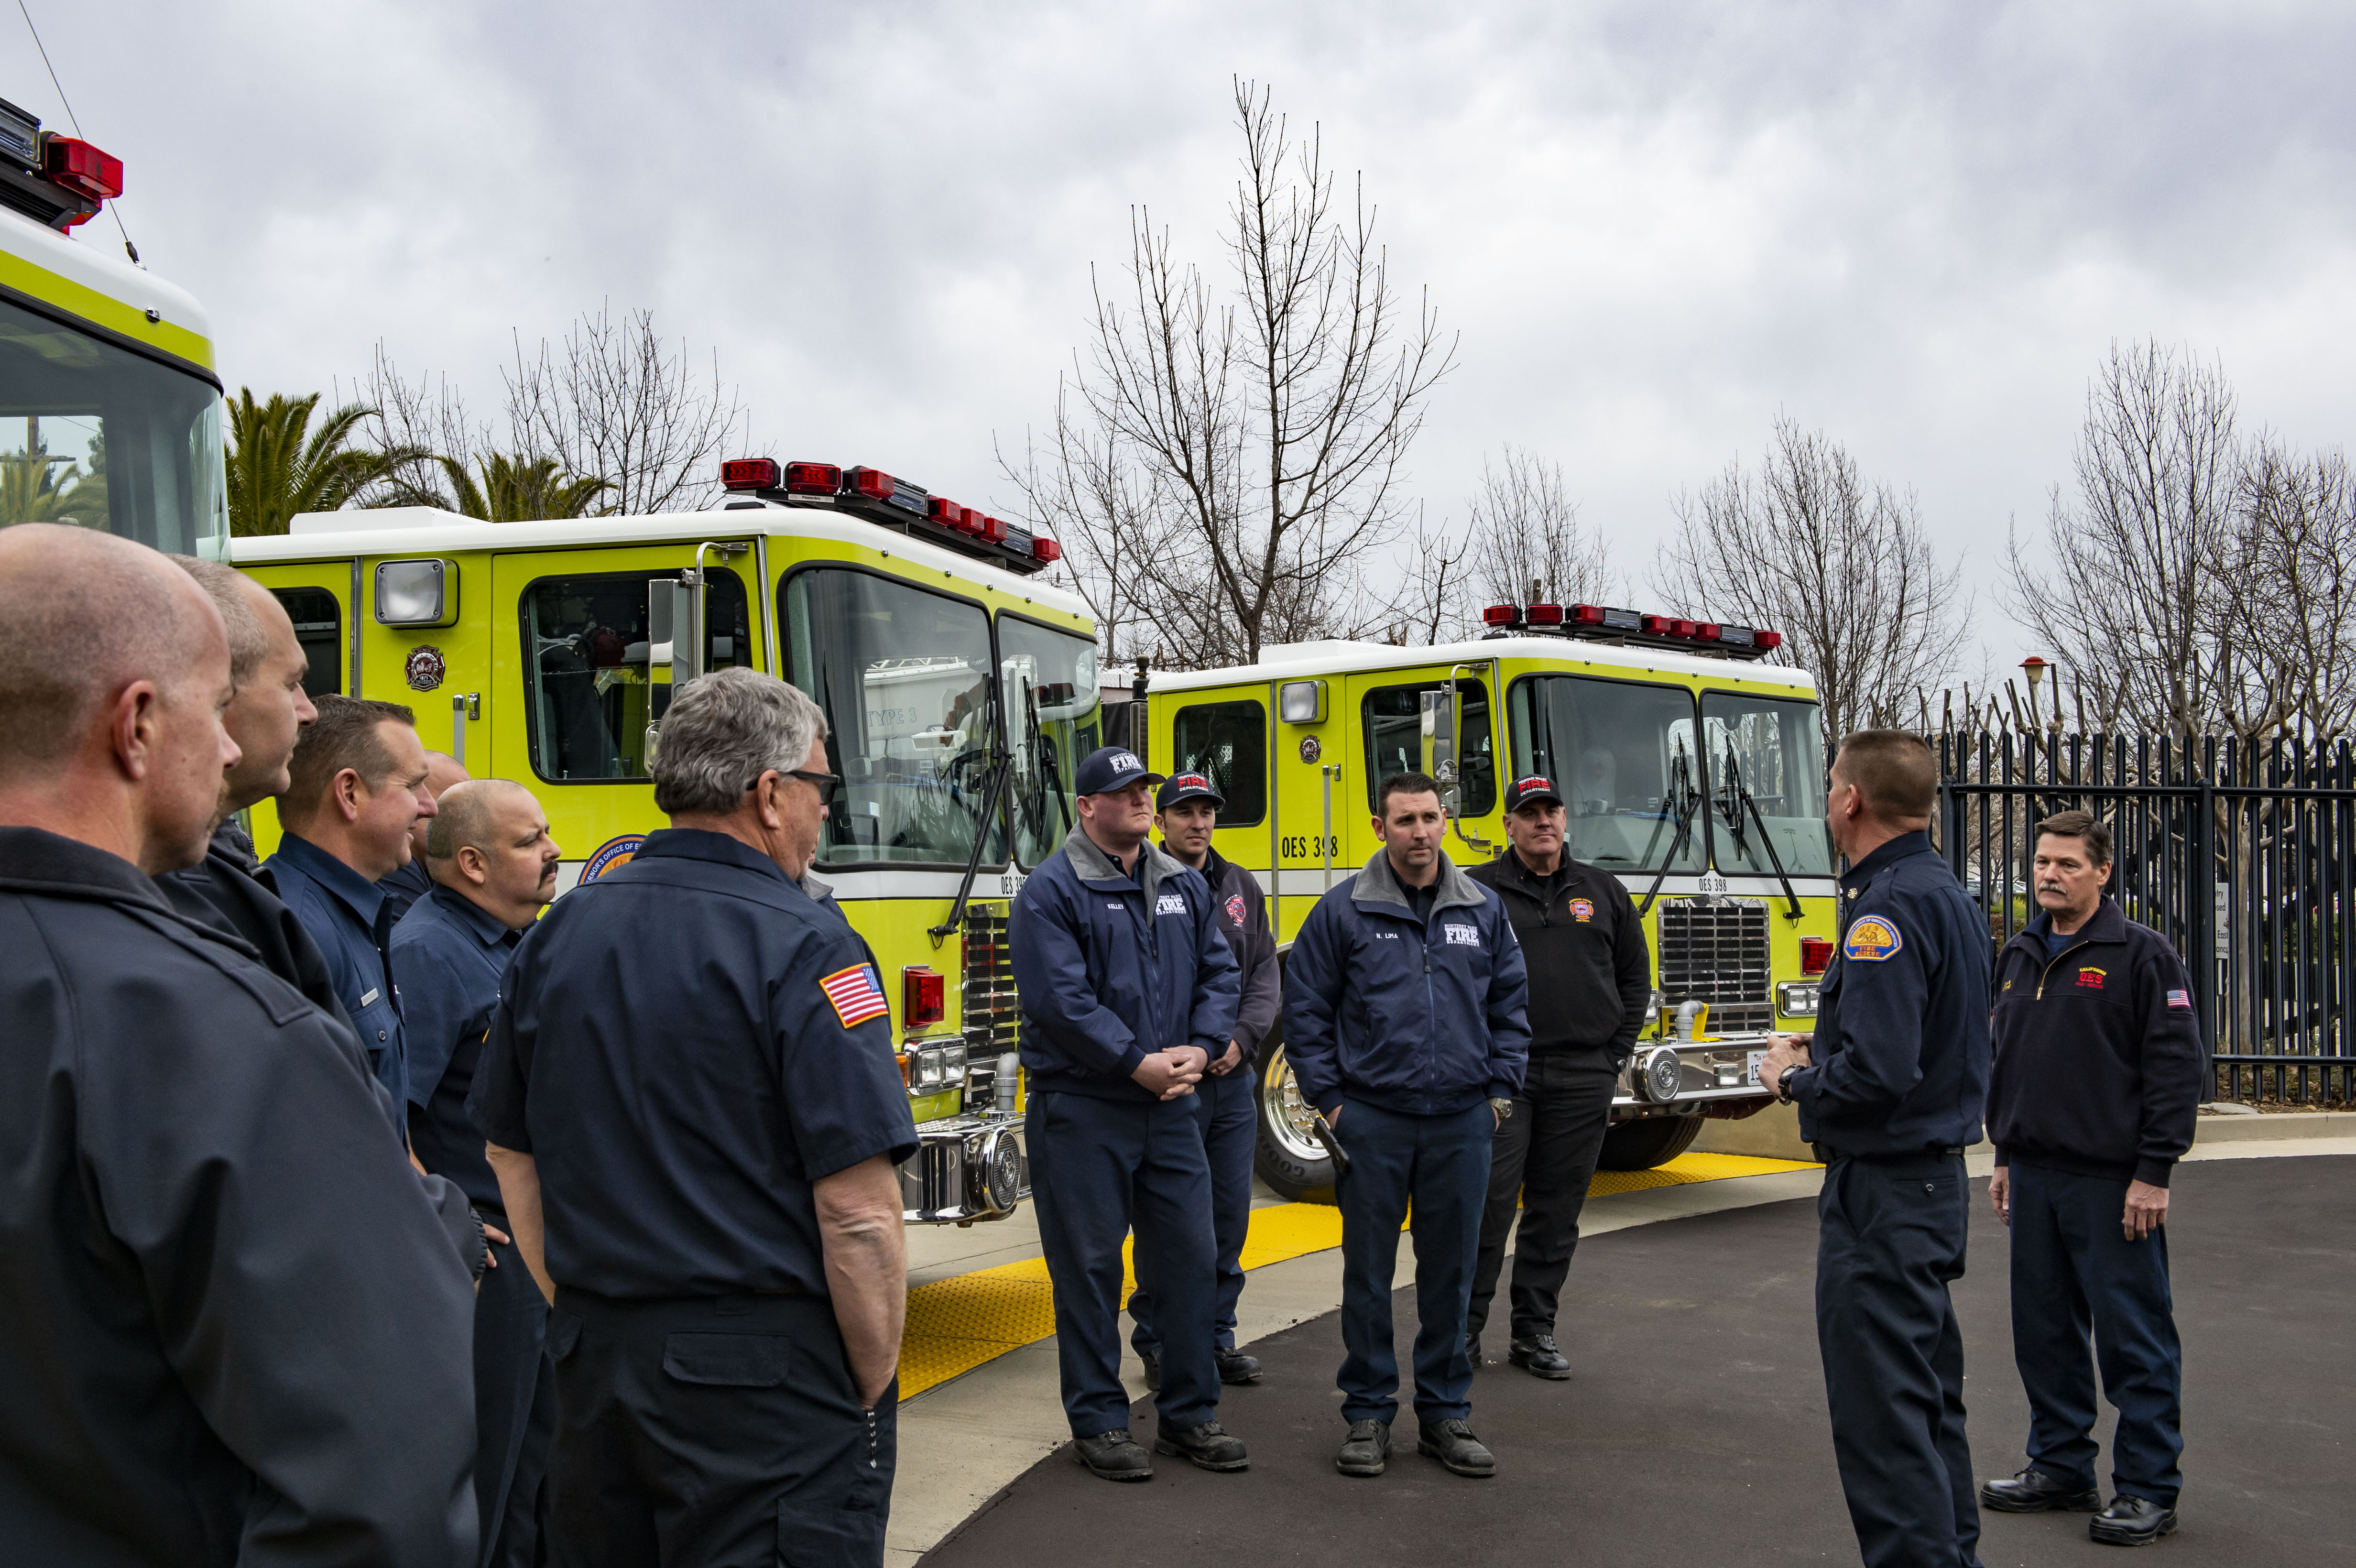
(965, 1169)
(1678, 1077)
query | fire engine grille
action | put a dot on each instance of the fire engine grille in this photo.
(988, 1002)
(1715, 951)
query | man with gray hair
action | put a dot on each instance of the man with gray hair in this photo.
(696, 1120)
(230, 1326)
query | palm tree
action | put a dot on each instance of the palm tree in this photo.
(511, 489)
(279, 466)
(38, 487)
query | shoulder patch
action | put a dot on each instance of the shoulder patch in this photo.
(2180, 1000)
(1873, 939)
(854, 994)
(1235, 910)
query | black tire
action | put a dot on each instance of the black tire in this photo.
(1286, 1157)
(1642, 1145)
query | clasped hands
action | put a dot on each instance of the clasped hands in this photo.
(1169, 1075)
(1789, 1051)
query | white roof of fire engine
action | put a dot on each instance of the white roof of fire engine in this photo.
(1336, 655)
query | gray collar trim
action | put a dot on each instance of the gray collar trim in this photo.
(1377, 883)
(1093, 865)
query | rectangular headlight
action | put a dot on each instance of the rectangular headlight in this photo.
(1301, 701)
(417, 592)
(1796, 998)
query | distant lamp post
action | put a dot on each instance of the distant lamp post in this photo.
(2034, 668)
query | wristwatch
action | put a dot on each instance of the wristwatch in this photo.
(1783, 1084)
(1503, 1107)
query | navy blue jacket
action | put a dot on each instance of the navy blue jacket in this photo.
(345, 915)
(404, 887)
(1900, 1060)
(2099, 1068)
(684, 1046)
(450, 954)
(1112, 967)
(232, 1329)
(1421, 1016)
(232, 891)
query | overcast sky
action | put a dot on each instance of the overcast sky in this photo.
(1655, 225)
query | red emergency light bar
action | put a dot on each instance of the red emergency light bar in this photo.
(1604, 622)
(82, 168)
(1544, 615)
(749, 474)
(1501, 615)
(895, 503)
(59, 181)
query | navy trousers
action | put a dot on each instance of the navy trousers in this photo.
(2074, 1273)
(1099, 1171)
(1544, 1158)
(515, 1409)
(1229, 1109)
(1438, 1167)
(1891, 1240)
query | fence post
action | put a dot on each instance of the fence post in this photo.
(2201, 899)
(1951, 804)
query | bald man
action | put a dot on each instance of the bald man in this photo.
(404, 887)
(231, 1329)
(494, 869)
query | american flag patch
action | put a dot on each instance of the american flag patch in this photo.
(855, 994)
(2180, 999)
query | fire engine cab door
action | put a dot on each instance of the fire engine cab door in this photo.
(575, 686)
(1418, 720)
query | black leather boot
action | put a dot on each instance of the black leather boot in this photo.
(1152, 1371)
(2131, 1521)
(1206, 1447)
(1115, 1455)
(1537, 1356)
(1452, 1443)
(1366, 1450)
(1234, 1367)
(2034, 1491)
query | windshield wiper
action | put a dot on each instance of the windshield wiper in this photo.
(1681, 788)
(1744, 799)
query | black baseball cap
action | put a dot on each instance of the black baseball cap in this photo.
(1109, 768)
(1187, 787)
(1537, 787)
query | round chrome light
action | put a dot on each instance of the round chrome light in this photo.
(993, 1172)
(1659, 1074)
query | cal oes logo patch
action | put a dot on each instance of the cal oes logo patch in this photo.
(2090, 977)
(1583, 909)
(1235, 908)
(612, 853)
(1873, 939)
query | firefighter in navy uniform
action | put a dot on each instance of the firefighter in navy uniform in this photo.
(1186, 809)
(1128, 989)
(1891, 1090)
(696, 1120)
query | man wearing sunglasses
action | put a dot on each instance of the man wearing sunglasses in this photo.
(690, 1078)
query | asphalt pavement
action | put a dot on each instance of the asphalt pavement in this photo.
(1693, 1431)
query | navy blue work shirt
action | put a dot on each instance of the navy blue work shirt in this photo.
(1900, 1059)
(450, 953)
(404, 887)
(684, 1046)
(345, 915)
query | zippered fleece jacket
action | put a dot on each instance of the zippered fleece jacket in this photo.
(1111, 966)
(1590, 969)
(2099, 1068)
(1422, 1018)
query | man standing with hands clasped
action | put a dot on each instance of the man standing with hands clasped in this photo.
(2098, 1079)
(1404, 1021)
(1188, 812)
(1891, 1091)
(1129, 992)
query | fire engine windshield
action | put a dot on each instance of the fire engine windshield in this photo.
(99, 436)
(905, 676)
(1622, 755)
(1766, 758)
(1052, 710)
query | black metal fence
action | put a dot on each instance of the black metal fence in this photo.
(2242, 852)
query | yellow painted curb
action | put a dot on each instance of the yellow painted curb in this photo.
(956, 1325)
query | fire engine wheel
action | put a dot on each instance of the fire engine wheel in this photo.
(1654, 1140)
(1288, 1156)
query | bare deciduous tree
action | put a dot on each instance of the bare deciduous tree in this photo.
(2290, 569)
(1524, 531)
(1248, 448)
(616, 404)
(2129, 599)
(1844, 569)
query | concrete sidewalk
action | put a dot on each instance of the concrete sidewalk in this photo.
(1695, 1430)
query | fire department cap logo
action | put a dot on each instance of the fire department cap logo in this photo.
(1536, 787)
(424, 667)
(612, 853)
(1186, 786)
(1873, 939)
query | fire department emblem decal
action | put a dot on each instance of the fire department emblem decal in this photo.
(2090, 977)
(1310, 750)
(424, 668)
(1235, 908)
(612, 853)
(1582, 910)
